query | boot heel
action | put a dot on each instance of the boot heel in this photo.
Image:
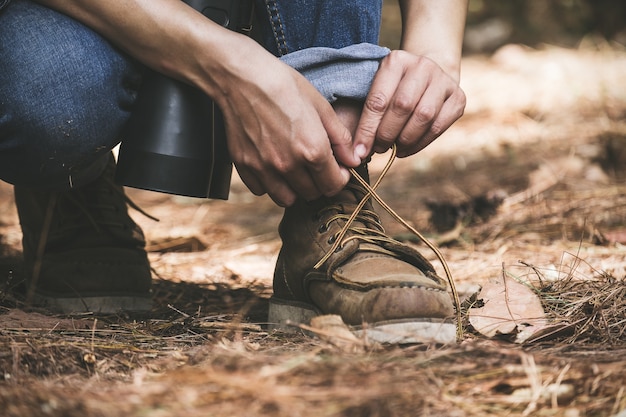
(286, 316)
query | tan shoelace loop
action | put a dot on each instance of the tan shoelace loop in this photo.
(371, 192)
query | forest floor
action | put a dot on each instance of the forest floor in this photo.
(528, 186)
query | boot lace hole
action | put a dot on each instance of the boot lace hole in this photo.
(323, 228)
(332, 239)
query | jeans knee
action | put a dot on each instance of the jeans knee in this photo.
(65, 93)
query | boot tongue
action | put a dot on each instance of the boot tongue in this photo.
(352, 194)
(356, 250)
(350, 197)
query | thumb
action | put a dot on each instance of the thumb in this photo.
(369, 122)
(339, 136)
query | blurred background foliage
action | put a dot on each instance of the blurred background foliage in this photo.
(493, 23)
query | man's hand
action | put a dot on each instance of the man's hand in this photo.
(415, 95)
(284, 138)
(411, 102)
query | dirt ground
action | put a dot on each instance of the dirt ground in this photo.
(528, 184)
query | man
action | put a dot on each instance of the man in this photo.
(313, 98)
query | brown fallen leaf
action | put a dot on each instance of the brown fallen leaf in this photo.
(510, 309)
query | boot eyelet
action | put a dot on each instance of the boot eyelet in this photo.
(332, 239)
(323, 228)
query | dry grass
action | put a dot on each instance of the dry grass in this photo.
(593, 309)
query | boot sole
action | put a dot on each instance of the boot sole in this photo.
(98, 305)
(286, 316)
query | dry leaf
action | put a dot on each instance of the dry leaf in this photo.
(509, 308)
(332, 329)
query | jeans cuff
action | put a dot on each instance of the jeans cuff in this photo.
(339, 73)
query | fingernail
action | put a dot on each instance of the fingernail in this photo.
(360, 151)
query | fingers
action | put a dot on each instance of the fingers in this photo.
(278, 190)
(378, 103)
(290, 146)
(412, 101)
(339, 135)
(438, 108)
(305, 185)
(310, 164)
(317, 174)
(340, 123)
(312, 174)
(328, 176)
(374, 108)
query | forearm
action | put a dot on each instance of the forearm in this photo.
(434, 28)
(166, 35)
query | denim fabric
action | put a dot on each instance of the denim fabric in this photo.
(64, 97)
(339, 73)
(4, 4)
(332, 43)
(66, 93)
(291, 25)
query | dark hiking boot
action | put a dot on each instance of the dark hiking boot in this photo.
(381, 287)
(82, 251)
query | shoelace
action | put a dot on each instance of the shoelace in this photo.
(87, 208)
(371, 232)
(375, 235)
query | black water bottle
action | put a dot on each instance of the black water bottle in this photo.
(175, 140)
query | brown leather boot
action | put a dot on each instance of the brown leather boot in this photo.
(82, 251)
(376, 284)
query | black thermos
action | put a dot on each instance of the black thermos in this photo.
(175, 140)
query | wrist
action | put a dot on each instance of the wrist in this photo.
(227, 64)
(434, 29)
(450, 64)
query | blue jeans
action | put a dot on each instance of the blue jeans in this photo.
(66, 93)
